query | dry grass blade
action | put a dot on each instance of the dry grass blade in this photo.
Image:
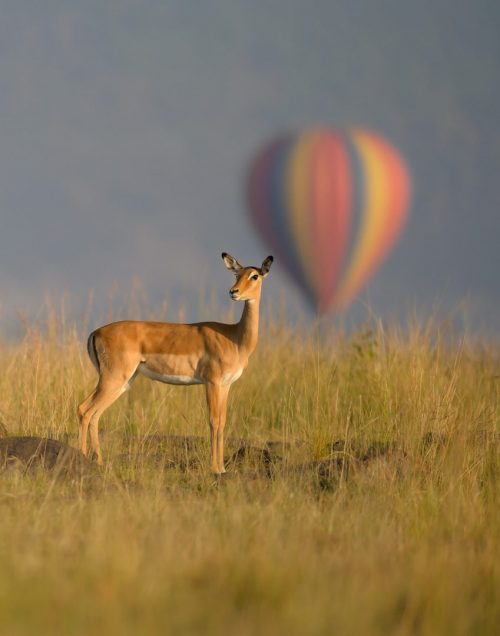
(363, 473)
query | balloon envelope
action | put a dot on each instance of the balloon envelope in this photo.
(331, 204)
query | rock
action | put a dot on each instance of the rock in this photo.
(49, 454)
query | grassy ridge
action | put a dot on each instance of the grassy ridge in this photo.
(377, 514)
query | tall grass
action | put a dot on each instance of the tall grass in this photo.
(400, 537)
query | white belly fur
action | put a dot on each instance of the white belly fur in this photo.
(168, 379)
(229, 378)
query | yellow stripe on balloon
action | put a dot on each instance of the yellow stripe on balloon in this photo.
(299, 200)
(375, 209)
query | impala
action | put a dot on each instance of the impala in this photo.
(211, 353)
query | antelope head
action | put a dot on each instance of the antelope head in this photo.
(248, 283)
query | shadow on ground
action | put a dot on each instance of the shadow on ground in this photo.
(245, 459)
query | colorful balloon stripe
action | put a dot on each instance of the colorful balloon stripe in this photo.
(267, 196)
(297, 187)
(279, 207)
(257, 196)
(386, 181)
(331, 204)
(331, 191)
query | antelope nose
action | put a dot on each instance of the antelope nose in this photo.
(233, 291)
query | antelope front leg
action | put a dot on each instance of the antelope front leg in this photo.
(223, 395)
(217, 401)
(213, 418)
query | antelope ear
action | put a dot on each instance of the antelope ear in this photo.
(266, 266)
(231, 263)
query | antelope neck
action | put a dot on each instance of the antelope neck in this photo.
(248, 327)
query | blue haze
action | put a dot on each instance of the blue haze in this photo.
(126, 127)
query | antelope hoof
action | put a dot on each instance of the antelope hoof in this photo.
(96, 458)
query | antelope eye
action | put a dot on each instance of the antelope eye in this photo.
(255, 277)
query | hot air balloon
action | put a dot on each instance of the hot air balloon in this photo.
(330, 203)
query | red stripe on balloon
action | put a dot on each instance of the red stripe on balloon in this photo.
(331, 205)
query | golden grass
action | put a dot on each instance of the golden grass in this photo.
(377, 512)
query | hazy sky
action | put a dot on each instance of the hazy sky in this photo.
(126, 128)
